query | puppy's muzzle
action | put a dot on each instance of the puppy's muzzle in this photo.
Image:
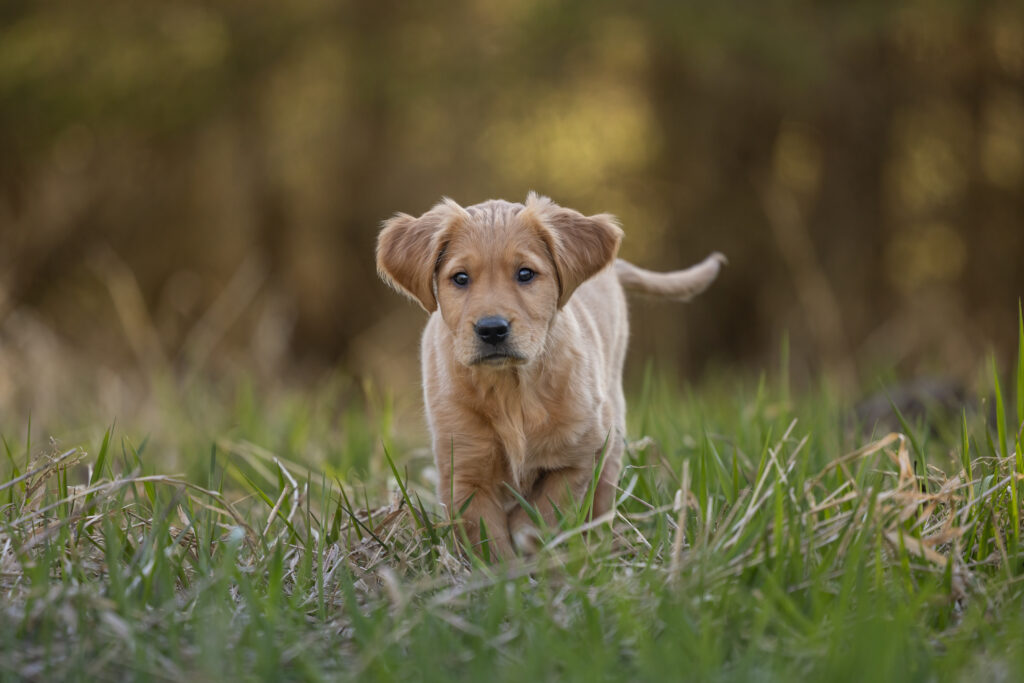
(494, 342)
(492, 330)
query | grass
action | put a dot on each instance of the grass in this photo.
(757, 536)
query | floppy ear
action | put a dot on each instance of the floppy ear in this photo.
(408, 250)
(581, 246)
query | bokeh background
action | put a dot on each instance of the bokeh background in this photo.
(193, 189)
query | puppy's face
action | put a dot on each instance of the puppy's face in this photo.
(497, 272)
(497, 290)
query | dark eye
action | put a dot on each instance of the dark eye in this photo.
(525, 275)
(460, 279)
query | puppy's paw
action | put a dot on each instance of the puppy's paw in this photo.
(525, 535)
(527, 539)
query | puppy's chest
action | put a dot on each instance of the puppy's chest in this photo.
(537, 435)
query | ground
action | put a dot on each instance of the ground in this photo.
(295, 535)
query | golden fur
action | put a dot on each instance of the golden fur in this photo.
(538, 410)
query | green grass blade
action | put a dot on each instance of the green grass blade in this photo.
(531, 511)
(1000, 412)
(1020, 367)
(965, 452)
(15, 470)
(401, 484)
(914, 444)
(587, 510)
(427, 524)
(28, 443)
(465, 504)
(101, 457)
(485, 541)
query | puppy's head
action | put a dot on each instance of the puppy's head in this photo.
(497, 272)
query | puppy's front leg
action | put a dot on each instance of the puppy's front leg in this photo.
(472, 470)
(483, 508)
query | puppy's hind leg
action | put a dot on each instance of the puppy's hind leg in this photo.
(559, 489)
(608, 480)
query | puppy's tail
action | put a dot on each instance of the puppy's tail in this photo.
(679, 285)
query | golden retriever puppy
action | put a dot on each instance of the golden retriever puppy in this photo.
(522, 354)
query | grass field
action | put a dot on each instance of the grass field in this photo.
(758, 536)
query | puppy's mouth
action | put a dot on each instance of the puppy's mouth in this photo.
(498, 357)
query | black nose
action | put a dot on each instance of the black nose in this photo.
(492, 330)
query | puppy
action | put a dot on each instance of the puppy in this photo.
(522, 354)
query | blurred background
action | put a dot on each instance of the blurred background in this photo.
(193, 190)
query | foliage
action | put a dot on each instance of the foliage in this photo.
(753, 538)
(864, 156)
